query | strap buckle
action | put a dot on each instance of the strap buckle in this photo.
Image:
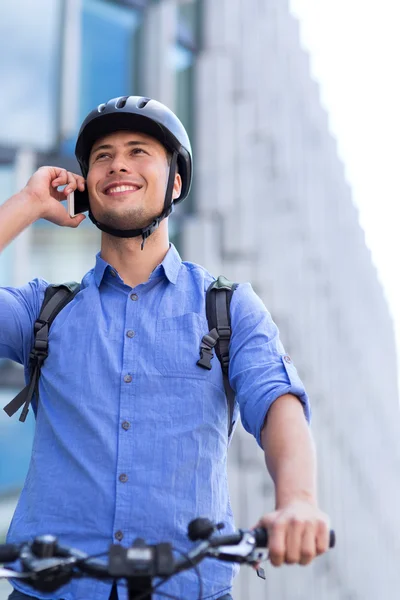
(39, 324)
(206, 349)
(224, 333)
(148, 231)
(206, 356)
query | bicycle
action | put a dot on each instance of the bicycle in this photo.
(47, 565)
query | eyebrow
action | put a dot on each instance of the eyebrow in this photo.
(110, 147)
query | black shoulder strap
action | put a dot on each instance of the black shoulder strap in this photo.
(55, 299)
(218, 300)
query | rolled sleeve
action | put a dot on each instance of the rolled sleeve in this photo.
(19, 308)
(260, 371)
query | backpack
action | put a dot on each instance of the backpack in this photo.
(218, 299)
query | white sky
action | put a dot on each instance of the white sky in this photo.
(355, 54)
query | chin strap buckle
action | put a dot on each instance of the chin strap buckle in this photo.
(149, 230)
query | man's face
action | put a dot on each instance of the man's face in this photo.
(127, 179)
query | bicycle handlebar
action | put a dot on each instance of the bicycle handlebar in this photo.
(9, 552)
(261, 536)
(46, 565)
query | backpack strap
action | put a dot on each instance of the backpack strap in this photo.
(55, 299)
(218, 300)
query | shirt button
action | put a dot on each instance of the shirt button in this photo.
(123, 478)
(134, 296)
(287, 359)
(130, 333)
(118, 535)
(126, 425)
(113, 273)
(128, 378)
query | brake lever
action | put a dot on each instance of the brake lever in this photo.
(9, 573)
(39, 566)
(243, 552)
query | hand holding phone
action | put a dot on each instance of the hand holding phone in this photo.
(78, 202)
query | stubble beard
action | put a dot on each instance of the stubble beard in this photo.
(130, 218)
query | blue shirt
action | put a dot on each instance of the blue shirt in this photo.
(131, 435)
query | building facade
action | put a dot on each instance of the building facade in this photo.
(270, 204)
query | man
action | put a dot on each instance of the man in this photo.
(131, 434)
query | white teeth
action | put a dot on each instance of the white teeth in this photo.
(122, 188)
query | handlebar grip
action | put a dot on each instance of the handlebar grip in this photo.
(9, 552)
(261, 536)
(332, 538)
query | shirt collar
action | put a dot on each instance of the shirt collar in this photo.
(99, 269)
(170, 267)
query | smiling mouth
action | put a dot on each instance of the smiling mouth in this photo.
(121, 189)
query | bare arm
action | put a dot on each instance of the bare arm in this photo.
(15, 215)
(39, 199)
(298, 530)
(289, 452)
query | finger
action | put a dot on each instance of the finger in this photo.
(277, 543)
(322, 541)
(308, 544)
(71, 185)
(77, 180)
(61, 178)
(294, 535)
(76, 221)
(81, 182)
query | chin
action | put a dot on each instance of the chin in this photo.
(124, 221)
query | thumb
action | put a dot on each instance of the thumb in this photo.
(75, 221)
(266, 520)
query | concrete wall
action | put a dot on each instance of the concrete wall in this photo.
(274, 208)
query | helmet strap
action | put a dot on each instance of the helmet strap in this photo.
(146, 231)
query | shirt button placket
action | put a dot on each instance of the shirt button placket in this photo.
(125, 407)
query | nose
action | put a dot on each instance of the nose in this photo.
(118, 165)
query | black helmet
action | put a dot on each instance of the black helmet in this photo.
(144, 115)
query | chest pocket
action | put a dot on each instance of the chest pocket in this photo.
(177, 346)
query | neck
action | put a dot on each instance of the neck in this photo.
(133, 264)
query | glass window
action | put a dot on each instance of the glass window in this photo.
(189, 22)
(107, 52)
(63, 254)
(135, 3)
(183, 60)
(29, 72)
(108, 67)
(184, 57)
(185, 52)
(15, 447)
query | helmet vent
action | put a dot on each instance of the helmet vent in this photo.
(143, 102)
(101, 108)
(121, 102)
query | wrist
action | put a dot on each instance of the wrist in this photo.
(300, 496)
(31, 202)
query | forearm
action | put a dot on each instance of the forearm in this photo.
(289, 452)
(16, 214)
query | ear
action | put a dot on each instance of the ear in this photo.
(177, 187)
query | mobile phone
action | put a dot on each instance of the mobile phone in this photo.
(78, 202)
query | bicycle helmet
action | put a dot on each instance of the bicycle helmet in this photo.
(144, 115)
